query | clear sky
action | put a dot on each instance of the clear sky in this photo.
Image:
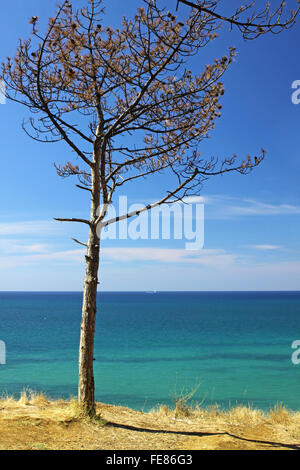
(252, 222)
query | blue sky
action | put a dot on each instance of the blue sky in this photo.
(251, 222)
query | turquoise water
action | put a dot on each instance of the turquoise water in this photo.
(237, 346)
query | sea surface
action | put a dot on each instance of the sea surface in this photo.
(229, 348)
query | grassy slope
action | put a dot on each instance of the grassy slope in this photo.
(34, 422)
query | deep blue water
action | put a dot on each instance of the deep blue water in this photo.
(237, 346)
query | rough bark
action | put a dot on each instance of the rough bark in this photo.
(86, 388)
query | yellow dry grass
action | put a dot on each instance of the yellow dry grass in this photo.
(35, 422)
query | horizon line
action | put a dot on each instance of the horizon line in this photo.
(148, 291)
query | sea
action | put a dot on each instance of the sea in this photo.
(152, 348)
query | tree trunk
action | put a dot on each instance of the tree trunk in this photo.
(86, 388)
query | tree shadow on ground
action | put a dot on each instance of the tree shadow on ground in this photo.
(203, 434)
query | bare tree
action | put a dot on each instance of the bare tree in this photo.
(92, 86)
(250, 21)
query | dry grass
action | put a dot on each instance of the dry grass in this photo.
(35, 422)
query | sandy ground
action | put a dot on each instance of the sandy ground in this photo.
(45, 425)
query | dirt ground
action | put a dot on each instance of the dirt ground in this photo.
(39, 424)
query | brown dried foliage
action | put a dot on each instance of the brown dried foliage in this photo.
(97, 87)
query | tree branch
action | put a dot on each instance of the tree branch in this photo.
(79, 243)
(82, 221)
(250, 27)
(151, 206)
